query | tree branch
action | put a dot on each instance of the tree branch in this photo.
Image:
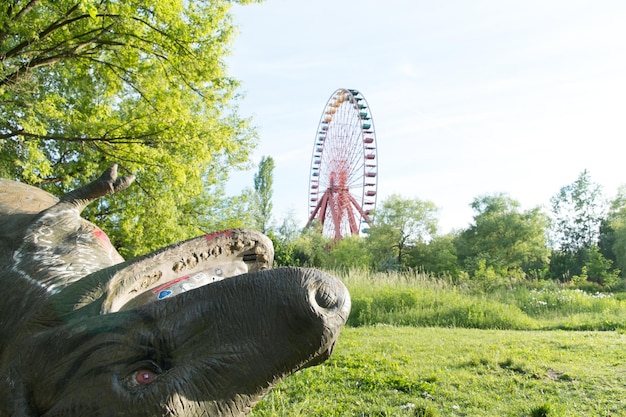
(43, 34)
(114, 140)
(26, 9)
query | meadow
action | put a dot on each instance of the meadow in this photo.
(420, 346)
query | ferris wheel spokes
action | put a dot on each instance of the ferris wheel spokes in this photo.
(343, 180)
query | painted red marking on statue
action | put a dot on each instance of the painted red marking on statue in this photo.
(216, 234)
(169, 284)
(99, 233)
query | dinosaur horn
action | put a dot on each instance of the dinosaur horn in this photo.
(108, 183)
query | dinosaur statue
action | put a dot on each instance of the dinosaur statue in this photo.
(204, 327)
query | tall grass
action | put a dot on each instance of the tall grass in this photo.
(416, 299)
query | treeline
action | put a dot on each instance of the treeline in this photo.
(580, 240)
(145, 86)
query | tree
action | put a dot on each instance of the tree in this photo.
(399, 224)
(438, 256)
(577, 213)
(311, 247)
(84, 84)
(612, 243)
(284, 239)
(349, 253)
(263, 181)
(503, 237)
(597, 269)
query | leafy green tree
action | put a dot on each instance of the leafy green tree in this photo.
(263, 181)
(296, 246)
(612, 243)
(599, 269)
(437, 256)
(399, 224)
(311, 247)
(607, 239)
(382, 244)
(349, 253)
(85, 83)
(230, 212)
(284, 238)
(504, 238)
(577, 213)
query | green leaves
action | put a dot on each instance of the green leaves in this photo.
(578, 210)
(143, 84)
(401, 223)
(503, 238)
(263, 181)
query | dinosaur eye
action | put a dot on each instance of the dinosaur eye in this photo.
(144, 376)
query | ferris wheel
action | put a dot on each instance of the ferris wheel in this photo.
(344, 171)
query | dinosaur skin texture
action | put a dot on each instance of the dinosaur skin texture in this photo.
(204, 327)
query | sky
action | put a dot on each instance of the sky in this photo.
(468, 98)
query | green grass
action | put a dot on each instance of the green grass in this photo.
(418, 300)
(407, 371)
(418, 346)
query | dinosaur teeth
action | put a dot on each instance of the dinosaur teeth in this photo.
(166, 273)
(188, 282)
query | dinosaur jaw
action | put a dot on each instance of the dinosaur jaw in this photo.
(186, 266)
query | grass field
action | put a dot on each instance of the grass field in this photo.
(407, 371)
(417, 346)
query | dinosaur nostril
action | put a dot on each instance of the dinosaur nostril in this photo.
(326, 297)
